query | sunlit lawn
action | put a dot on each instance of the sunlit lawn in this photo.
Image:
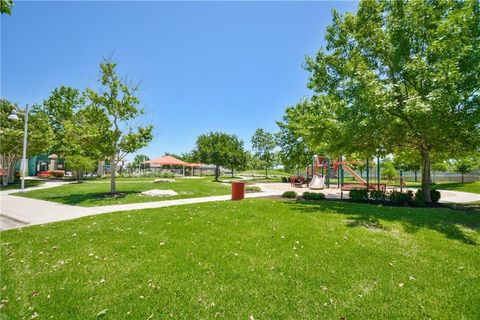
(93, 192)
(262, 259)
(473, 187)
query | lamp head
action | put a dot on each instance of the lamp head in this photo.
(13, 116)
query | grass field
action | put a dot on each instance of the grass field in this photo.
(473, 187)
(91, 193)
(255, 259)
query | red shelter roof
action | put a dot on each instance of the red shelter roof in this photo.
(167, 161)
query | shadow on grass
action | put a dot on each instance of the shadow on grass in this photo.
(28, 184)
(81, 198)
(445, 221)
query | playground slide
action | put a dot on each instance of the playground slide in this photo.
(317, 182)
(354, 174)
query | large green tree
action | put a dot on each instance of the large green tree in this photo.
(263, 144)
(401, 75)
(464, 165)
(79, 165)
(39, 138)
(237, 158)
(102, 129)
(216, 148)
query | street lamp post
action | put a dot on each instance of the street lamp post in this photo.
(13, 116)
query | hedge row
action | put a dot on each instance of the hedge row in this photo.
(397, 198)
(306, 195)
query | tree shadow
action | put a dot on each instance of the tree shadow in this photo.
(443, 220)
(80, 198)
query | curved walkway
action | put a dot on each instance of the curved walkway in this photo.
(17, 211)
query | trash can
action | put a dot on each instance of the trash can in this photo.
(238, 190)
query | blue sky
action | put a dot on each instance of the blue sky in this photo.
(203, 66)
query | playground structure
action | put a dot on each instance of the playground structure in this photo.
(323, 169)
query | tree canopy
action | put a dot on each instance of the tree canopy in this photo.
(220, 149)
(6, 6)
(263, 144)
(103, 128)
(61, 108)
(117, 104)
(395, 76)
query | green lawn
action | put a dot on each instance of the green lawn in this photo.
(473, 187)
(28, 184)
(257, 259)
(92, 193)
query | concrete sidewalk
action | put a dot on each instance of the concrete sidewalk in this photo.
(20, 211)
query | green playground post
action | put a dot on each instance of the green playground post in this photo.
(338, 175)
(341, 175)
(328, 173)
(368, 175)
(378, 172)
(401, 180)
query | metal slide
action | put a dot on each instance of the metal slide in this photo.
(354, 174)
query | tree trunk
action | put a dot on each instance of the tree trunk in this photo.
(463, 178)
(233, 173)
(4, 171)
(266, 172)
(415, 173)
(113, 171)
(100, 171)
(217, 171)
(426, 181)
(11, 172)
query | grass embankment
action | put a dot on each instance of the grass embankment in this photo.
(262, 259)
(94, 193)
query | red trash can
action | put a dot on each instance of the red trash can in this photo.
(238, 190)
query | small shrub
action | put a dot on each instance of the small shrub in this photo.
(285, 179)
(289, 194)
(358, 195)
(313, 196)
(435, 195)
(378, 195)
(401, 198)
(419, 198)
